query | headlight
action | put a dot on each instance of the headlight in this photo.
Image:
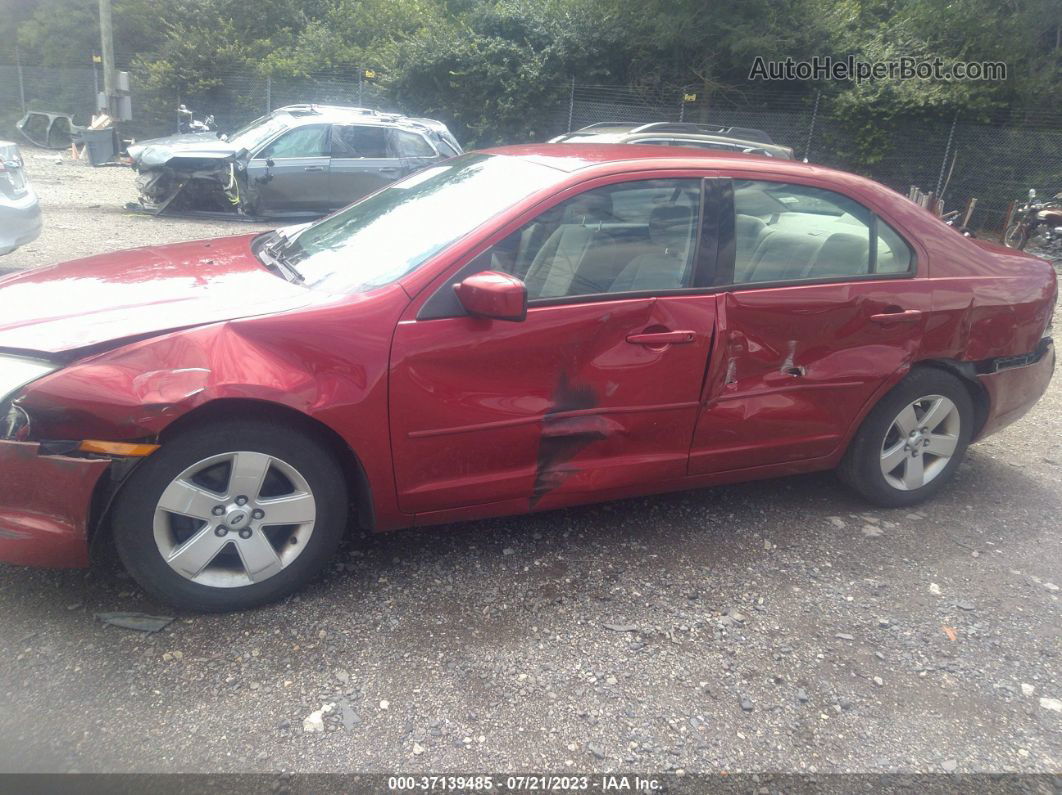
(16, 372)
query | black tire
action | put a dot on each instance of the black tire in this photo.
(134, 512)
(861, 468)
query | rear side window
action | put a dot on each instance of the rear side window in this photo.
(787, 232)
(359, 141)
(408, 144)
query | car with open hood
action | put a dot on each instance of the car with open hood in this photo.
(509, 331)
(300, 161)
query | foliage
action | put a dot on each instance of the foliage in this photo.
(490, 67)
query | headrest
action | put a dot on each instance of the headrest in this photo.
(670, 225)
(587, 208)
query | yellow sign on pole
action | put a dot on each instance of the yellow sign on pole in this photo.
(96, 58)
(689, 97)
(370, 74)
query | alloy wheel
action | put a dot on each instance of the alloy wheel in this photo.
(920, 442)
(234, 519)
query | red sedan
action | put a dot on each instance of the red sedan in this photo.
(513, 330)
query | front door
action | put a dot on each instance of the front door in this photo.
(823, 309)
(291, 173)
(596, 391)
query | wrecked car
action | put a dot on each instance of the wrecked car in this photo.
(514, 330)
(300, 161)
(49, 130)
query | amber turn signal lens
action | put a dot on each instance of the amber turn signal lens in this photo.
(116, 448)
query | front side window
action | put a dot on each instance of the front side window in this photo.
(632, 236)
(308, 141)
(789, 232)
(392, 232)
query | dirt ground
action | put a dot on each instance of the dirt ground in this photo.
(778, 626)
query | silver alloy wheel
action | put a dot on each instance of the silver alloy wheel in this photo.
(234, 519)
(920, 442)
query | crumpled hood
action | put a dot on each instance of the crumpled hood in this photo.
(157, 151)
(112, 297)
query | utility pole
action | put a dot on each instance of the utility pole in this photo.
(107, 41)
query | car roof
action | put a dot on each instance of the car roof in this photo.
(342, 114)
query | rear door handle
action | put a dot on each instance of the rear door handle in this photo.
(903, 316)
(658, 338)
(314, 168)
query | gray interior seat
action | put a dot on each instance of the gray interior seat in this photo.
(748, 229)
(843, 254)
(782, 256)
(671, 233)
(553, 271)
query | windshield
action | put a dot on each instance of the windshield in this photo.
(392, 232)
(259, 131)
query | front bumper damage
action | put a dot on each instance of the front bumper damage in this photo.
(45, 505)
(194, 186)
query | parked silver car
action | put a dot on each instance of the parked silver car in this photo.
(298, 161)
(20, 212)
(667, 133)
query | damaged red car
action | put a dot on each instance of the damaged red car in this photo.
(513, 330)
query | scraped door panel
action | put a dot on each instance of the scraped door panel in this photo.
(558, 405)
(795, 365)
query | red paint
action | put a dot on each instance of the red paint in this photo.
(491, 294)
(468, 417)
(44, 505)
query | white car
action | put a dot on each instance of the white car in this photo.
(20, 212)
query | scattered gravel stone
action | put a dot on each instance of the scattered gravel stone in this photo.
(802, 695)
(1027, 690)
(843, 636)
(965, 605)
(595, 749)
(949, 765)
(934, 589)
(1051, 587)
(746, 704)
(314, 722)
(1053, 704)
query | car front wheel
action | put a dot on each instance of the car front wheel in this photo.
(231, 515)
(912, 442)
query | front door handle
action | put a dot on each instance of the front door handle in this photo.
(314, 168)
(902, 316)
(658, 338)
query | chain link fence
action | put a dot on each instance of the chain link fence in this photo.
(955, 157)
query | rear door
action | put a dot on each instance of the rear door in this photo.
(291, 173)
(362, 162)
(821, 305)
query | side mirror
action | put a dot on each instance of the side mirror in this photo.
(494, 295)
(269, 162)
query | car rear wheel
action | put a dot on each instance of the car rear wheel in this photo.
(230, 516)
(912, 442)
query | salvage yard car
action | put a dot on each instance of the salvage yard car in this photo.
(691, 134)
(513, 330)
(20, 210)
(300, 161)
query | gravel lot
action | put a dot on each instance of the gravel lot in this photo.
(777, 626)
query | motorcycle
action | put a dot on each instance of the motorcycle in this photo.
(1036, 221)
(187, 123)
